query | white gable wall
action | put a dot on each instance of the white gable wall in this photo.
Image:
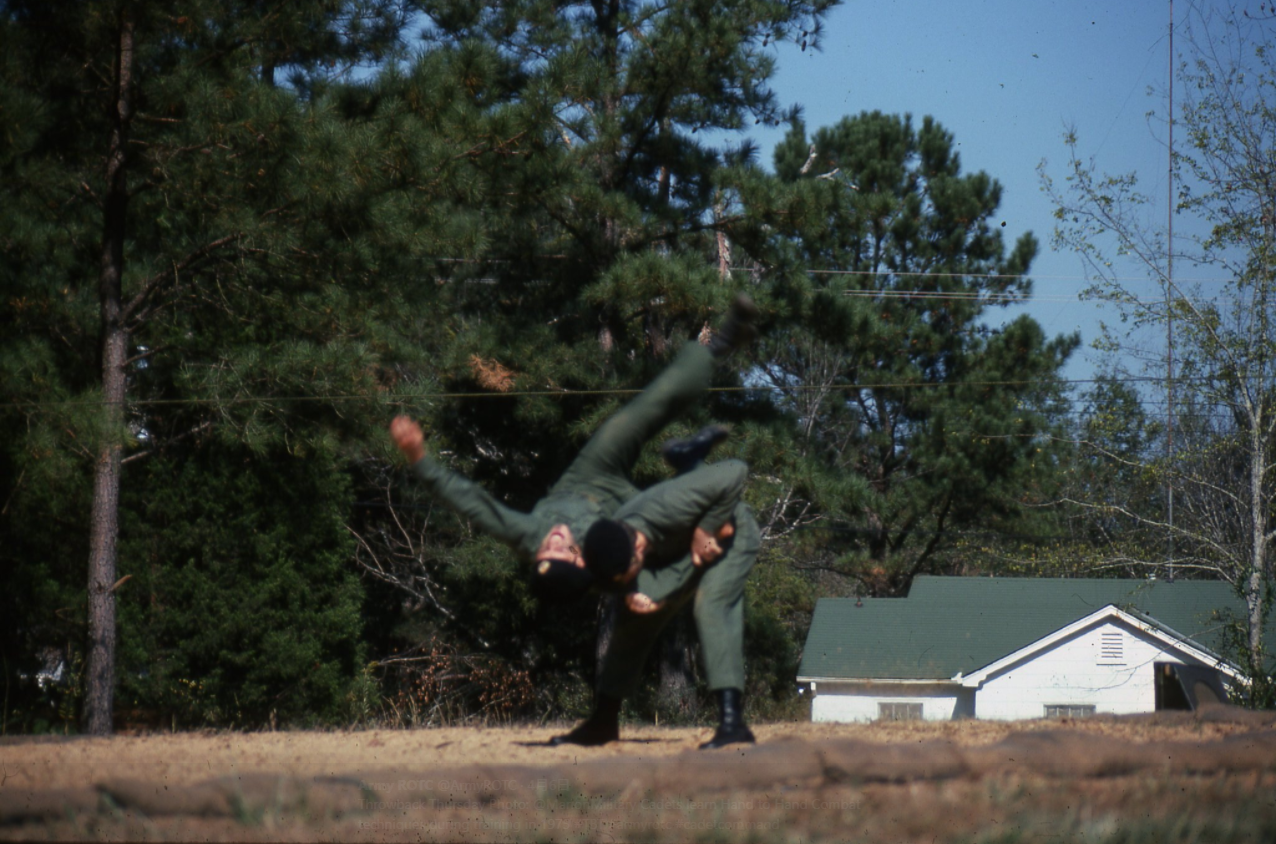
(1108, 666)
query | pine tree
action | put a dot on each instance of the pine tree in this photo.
(923, 419)
(152, 160)
(615, 179)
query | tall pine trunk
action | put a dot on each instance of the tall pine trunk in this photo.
(104, 527)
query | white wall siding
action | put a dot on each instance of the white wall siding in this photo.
(861, 704)
(1108, 666)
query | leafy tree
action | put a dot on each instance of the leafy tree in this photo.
(1115, 442)
(1218, 514)
(246, 610)
(918, 419)
(1101, 460)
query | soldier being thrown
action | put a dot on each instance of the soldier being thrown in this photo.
(597, 481)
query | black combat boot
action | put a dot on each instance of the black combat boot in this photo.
(686, 454)
(737, 329)
(731, 726)
(599, 728)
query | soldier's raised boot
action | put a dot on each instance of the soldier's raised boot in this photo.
(686, 454)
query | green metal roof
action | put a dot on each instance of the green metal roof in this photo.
(948, 625)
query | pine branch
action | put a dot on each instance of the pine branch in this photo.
(150, 285)
(170, 441)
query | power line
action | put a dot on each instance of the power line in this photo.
(400, 398)
(885, 274)
(979, 275)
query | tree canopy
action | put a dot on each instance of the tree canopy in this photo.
(241, 237)
(928, 419)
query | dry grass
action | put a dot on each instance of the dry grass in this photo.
(1008, 806)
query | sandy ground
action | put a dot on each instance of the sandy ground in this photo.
(966, 781)
(187, 758)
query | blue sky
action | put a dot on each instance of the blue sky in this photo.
(1007, 78)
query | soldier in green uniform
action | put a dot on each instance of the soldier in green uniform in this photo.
(594, 486)
(598, 480)
(643, 547)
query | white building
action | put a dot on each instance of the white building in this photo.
(1018, 648)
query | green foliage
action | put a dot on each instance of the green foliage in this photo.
(892, 366)
(238, 334)
(499, 235)
(611, 164)
(242, 607)
(780, 604)
(1257, 663)
(46, 495)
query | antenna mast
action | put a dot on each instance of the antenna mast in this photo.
(1169, 317)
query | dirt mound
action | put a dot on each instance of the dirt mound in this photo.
(507, 785)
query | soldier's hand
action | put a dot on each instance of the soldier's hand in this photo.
(407, 435)
(704, 547)
(640, 603)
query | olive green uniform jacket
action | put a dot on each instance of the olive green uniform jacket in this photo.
(598, 481)
(667, 513)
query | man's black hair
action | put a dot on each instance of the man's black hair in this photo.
(608, 550)
(559, 582)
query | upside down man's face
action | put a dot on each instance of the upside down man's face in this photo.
(559, 544)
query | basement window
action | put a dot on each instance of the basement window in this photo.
(1069, 710)
(899, 712)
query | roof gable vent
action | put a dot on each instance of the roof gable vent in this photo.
(1111, 648)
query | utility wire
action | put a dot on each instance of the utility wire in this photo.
(626, 391)
(401, 399)
(885, 274)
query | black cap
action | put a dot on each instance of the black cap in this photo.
(608, 549)
(560, 582)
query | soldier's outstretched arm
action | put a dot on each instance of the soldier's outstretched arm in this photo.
(457, 492)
